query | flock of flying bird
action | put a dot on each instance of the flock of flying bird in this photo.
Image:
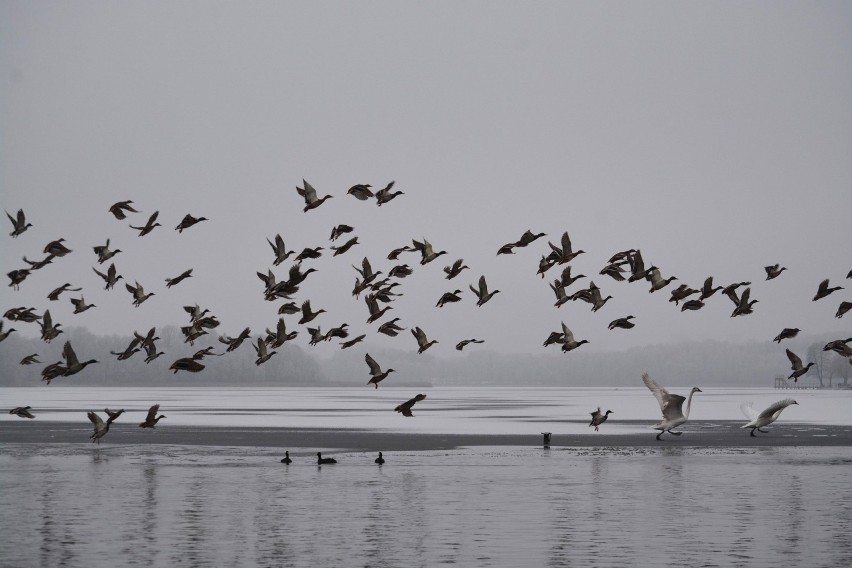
(627, 265)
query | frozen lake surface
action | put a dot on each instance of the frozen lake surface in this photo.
(445, 410)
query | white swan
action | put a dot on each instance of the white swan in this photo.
(766, 417)
(671, 405)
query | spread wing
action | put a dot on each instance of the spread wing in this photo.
(69, 355)
(375, 369)
(794, 359)
(780, 405)
(659, 392)
(152, 412)
(749, 411)
(673, 406)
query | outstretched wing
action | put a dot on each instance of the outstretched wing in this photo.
(375, 369)
(794, 359)
(659, 392)
(748, 411)
(152, 412)
(780, 405)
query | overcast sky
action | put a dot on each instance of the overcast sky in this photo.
(714, 136)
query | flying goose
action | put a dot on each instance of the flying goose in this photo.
(36, 265)
(797, 367)
(309, 315)
(373, 306)
(786, 333)
(361, 191)
(566, 279)
(23, 314)
(113, 416)
(824, 290)
(379, 460)
(422, 341)
(840, 347)
(657, 281)
(49, 331)
(351, 342)
(23, 411)
(149, 226)
(188, 221)
(80, 305)
(681, 293)
(104, 253)
(54, 296)
(110, 278)
(119, 208)
(72, 364)
(385, 194)
(234, 342)
(508, 248)
(129, 351)
(843, 308)
(178, 279)
(707, 288)
(339, 332)
(773, 271)
(615, 270)
(139, 294)
(448, 298)
(671, 405)
(316, 335)
(263, 354)
(30, 359)
(390, 328)
(742, 303)
(455, 269)
(151, 352)
(568, 341)
(280, 250)
(482, 292)
(16, 277)
(19, 223)
(289, 308)
(308, 252)
(465, 342)
(400, 271)
(623, 323)
(324, 461)
(528, 238)
(405, 407)
(339, 231)
(692, 305)
(637, 267)
(310, 195)
(151, 419)
(186, 364)
(206, 352)
(100, 428)
(366, 271)
(345, 246)
(56, 248)
(599, 418)
(377, 375)
(559, 289)
(427, 253)
(394, 254)
(765, 418)
(563, 254)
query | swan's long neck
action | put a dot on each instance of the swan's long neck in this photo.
(688, 404)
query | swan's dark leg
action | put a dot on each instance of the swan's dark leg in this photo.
(660, 434)
(752, 433)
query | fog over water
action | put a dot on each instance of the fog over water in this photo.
(713, 137)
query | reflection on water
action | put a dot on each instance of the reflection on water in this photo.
(202, 506)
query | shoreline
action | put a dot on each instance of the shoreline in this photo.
(717, 434)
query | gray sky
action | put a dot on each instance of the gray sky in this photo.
(714, 136)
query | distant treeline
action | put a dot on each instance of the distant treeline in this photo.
(707, 363)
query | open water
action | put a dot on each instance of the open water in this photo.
(140, 505)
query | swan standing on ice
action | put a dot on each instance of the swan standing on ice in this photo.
(766, 417)
(671, 405)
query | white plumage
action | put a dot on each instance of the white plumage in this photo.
(671, 406)
(768, 416)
